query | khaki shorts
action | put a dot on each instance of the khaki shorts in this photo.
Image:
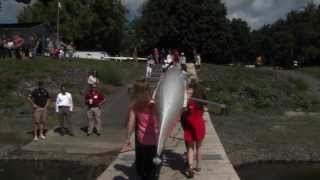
(40, 116)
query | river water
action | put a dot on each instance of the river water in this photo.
(280, 171)
(47, 170)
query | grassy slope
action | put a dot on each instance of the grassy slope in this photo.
(256, 128)
(18, 78)
(312, 71)
(257, 90)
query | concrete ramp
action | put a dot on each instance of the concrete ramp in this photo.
(114, 115)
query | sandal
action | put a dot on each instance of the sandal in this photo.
(190, 173)
(197, 170)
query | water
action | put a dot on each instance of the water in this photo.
(278, 171)
(47, 170)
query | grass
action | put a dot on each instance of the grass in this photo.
(257, 127)
(312, 71)
(257, 90)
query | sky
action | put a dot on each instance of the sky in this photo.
(255, 12)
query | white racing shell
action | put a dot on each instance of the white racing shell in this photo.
(169, 103)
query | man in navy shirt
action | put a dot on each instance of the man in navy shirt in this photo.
(39, 99)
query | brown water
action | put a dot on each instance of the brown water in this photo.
(278, 171)
(47, 170)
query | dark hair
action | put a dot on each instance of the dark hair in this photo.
(40, 83)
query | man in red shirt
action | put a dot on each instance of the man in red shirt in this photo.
(94, 100)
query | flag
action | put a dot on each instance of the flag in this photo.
(59, 5)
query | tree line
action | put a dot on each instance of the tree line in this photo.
(200, 25)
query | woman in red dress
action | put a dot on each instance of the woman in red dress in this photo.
(194, 128)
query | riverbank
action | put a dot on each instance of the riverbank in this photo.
(273, 115)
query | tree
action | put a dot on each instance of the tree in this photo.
(294, 38)
(24, 1)
(94, 25)
(199, 24)
(240, 41)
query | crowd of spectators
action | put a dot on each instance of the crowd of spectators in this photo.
(28, 46)
(169, 58)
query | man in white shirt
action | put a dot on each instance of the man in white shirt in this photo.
(64, 106)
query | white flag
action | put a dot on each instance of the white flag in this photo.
(59, 5)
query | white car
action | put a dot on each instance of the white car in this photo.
(98, 55)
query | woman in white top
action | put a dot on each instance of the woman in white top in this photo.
(92, 78)
(64, 107)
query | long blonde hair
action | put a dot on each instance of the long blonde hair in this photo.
(141, 95)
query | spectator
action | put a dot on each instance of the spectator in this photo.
(135, 55)
(62, 53)
(156, 55)
(18, 46)
(169, 63)
(10, 45)
(149, 64)
(194, 128)
(94, 100)
(50, 47)
(5, 47)
(64, 107)
(197, 59)
(33, 45)
(162, 55)
(92, 78)
(40, 99)
(38, 48)
(2, 50)
(182, 60)
(142, 118)
(176, 56)
(70, 50)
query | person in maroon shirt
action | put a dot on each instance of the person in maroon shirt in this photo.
(94, 100)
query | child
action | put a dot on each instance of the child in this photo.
(194, 128)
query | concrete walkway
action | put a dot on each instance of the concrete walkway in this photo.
(113, 117)
(215, 164)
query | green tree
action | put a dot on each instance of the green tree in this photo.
(240, 41)
(199, 24)
(296, 37)
(95, 24)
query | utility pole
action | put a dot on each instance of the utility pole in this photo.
(58, 24)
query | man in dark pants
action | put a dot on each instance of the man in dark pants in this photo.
(64, 108)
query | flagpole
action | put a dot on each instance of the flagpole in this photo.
(58, 24)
